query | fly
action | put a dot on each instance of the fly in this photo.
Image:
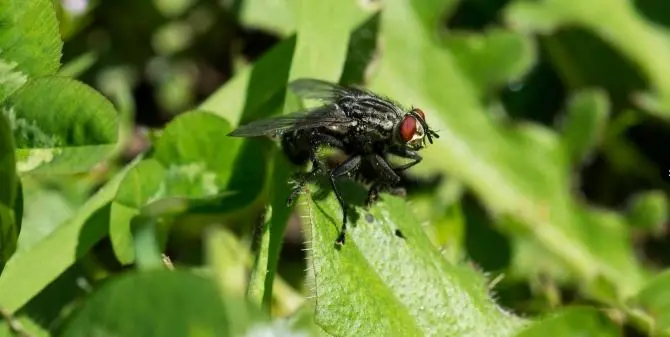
(364, 126)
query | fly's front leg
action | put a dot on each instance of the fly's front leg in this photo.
(388, 176)
(348, 166)
(406, 153)
(316, 141)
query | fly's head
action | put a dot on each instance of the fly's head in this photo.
(413, 131)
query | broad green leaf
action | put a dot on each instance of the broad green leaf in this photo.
(619, 24)
(653, 304)
(9, 229)
(514, 55)
(381, 283)
(585, 123)
(29, 36)
(60, 125)
(573, 321)
(648, 211)
(153, 303)
(521, 173)
(26, 273)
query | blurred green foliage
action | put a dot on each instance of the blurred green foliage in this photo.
(125, 209)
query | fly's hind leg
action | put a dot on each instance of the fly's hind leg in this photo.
(317, 140)
(373, 194)
(347, 167)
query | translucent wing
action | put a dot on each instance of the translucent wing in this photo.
(322, 90)
(327, 115)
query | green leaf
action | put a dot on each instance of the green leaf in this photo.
(79, 65)
(169, 303)
(21, 326)
(147, 246)
(585, 123)
(29, 36)
(50, 204)
(60, 125)
(9, 229)
(256, 289)
(617, 23)
(254, 13)
(154, 303)
(654, 303)
(11, 79)
(198, 163)
(229, 261)
(140, 186)
(574, 321)
(189, 165)
(515, 54)
(26, 274)
(253, 87)
(519, 173)
(416, 291)
(649, 211)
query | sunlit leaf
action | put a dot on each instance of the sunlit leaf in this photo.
(577, 321)
(60, 125)
(416, 291)
(585, 123)
(36, 48)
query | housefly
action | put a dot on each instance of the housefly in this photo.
(364, 126)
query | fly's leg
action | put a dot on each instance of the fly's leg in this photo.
(378, 187)
(373, 194)
(317, 140)
(406, 153)
(388, 175)
(349, 165)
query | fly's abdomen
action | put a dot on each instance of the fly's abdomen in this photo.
(296, 147)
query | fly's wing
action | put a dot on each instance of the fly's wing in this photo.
(331, 92)
(318, 89)
(327, 115)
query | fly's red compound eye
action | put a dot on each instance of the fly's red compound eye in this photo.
(420, 113)
(408, 128)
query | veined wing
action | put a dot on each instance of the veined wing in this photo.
(330, 92)
(322, 90)
(327, 115)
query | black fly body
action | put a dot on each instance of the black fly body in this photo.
(364, 126)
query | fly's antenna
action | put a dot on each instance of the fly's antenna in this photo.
(429, 132)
